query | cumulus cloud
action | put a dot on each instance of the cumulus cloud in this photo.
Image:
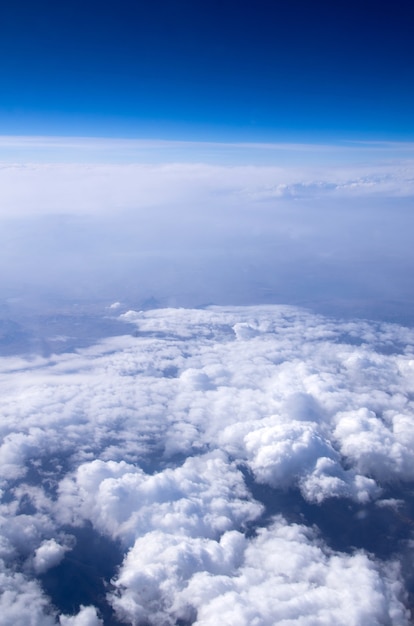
(287, 577)
(22, 601)
(161, 442)
(87, 616)
(47, 555)
(284, 575)
(159, 567)
(204, 497)
(287, 453)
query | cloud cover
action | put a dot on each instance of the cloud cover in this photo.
(321, 226)
(162, 442)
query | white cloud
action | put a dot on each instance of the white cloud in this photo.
(147, 438)
(183, 189)
(287, 577)
(289, 392)
(48, 554)
(22, 601)
(160, 566)
(204, 497)
(87, 616)
(289, 453)
(379, 447)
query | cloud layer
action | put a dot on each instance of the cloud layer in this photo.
(158, 441)
(190, 224)
(96, 189)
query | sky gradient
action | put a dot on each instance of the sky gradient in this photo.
(228, 70)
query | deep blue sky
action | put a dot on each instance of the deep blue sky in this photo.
(217, 69)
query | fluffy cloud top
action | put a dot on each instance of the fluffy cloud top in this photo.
(87, 616)
(204, 497)
(154, 439)
(47, 555)
(288, 577)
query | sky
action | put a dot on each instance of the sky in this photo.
(237, 70)
(206, 313)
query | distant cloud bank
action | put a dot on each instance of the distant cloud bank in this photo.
(193, 223)
(112, 188)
